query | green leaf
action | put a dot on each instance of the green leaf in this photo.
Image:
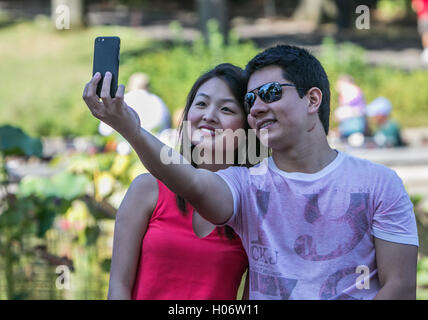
(63, 185)
(91, 234)
(106, 265)
(13, 141)
(46, 219)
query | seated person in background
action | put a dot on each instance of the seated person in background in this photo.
(156, 114)
(351, 110)
(386, 132)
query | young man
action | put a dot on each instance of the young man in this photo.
(318, 224)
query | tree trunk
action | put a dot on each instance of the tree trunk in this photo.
(309, 10)
(269, 8)
(314, 10)
(213, 9)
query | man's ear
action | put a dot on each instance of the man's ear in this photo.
(314, 95)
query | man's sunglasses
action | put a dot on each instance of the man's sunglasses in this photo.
(268, 92)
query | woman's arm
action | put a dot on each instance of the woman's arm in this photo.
(131, 223)
(206, 191)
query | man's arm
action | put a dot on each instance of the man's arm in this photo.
(205, 190)
(396, 265)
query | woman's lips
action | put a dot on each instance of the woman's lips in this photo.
(207, 130)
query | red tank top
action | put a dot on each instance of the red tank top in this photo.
(177, 265)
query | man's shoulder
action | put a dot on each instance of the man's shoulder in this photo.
(360, 165)
(233, 170)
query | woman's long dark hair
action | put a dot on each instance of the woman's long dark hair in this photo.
(233, 77)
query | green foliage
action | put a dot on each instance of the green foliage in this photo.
(422, 278)
(47, 71)
(393, 8)
(13, 141)
(31, 209)
(174, 70)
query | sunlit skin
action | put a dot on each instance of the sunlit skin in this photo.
(296, 135)
(214, 110)
(214, 107)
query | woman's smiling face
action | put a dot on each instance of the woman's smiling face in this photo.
(214, 108)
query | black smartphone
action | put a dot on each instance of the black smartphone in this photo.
(106, 58)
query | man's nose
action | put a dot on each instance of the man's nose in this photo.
(259, 107)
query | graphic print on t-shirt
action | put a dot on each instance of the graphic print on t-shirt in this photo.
(271, 285)
(311, 237)
(329, 287)
(263, 255)
(262, 198)
(355, 220)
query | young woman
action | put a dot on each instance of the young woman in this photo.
(163, 249)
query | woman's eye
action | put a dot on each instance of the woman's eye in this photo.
(201, 103)
(226, 109)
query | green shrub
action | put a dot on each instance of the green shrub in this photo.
(174, 70)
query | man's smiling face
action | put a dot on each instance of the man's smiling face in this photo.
(284, 119)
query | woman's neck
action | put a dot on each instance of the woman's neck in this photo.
(213, 163)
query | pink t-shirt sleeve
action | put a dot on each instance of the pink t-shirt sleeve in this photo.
(394, 219)
(236, 180)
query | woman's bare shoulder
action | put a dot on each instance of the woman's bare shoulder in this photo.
(142, 193)
(145, 187)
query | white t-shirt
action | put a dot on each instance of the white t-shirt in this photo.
(310, 236)
(153, 112)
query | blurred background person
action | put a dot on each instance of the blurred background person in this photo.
(421, 9)
(386, 132)
(153, 112)
(351, 110)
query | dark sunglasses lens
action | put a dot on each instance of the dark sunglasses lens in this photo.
(249, 99)
(270, 92)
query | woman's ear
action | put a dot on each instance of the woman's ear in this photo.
(314, 95)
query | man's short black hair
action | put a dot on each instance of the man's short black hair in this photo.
(301, 68)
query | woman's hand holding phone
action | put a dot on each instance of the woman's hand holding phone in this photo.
(112, 111)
